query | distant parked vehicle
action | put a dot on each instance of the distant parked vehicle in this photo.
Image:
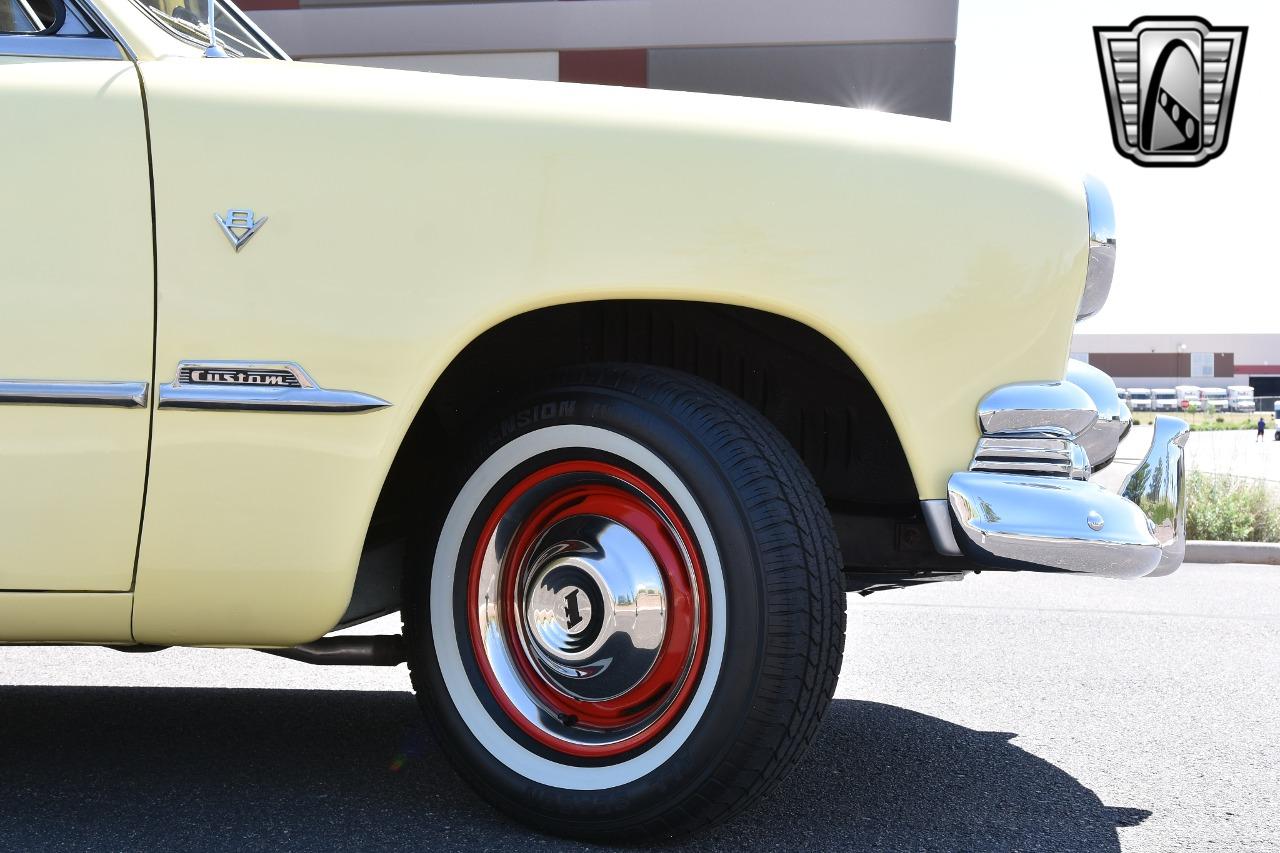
(1187, 395)
(1215, 397)
(1240, 398)
(1164, 399)
(1139, 399)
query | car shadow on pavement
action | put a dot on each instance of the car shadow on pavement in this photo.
(202, 769)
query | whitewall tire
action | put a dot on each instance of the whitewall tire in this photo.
(629, 617)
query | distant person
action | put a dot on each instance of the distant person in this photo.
(1262, 429)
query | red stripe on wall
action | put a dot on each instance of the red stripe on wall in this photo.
(1261, 369)
(263, 5)
(609, 67)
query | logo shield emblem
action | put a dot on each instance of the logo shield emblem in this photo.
(1170, 85)
(239, 226)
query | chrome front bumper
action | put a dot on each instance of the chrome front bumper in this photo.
(1009, 519)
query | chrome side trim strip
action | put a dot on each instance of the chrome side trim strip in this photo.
(257, 386)
(61, 47)
(125, 395)
(247, 399)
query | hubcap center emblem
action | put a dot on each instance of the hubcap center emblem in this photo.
(576, 609)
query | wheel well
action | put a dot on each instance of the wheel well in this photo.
(799, 379)
(802, 382)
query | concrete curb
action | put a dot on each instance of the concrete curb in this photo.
(1233, 552)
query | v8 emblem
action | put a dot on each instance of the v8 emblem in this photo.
(239, 226)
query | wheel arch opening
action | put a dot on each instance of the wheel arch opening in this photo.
(801, 381)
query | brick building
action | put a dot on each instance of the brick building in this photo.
(1166, 360)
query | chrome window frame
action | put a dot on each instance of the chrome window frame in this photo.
(60, 47)
(106, 43)
(234, 12)
(31, 13)
(245, 21)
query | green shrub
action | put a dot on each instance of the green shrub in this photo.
(1231, 509)
(1200, 422)
(1221, 423)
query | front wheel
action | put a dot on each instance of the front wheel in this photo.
(632, 615)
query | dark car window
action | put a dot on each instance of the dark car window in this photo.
(25, 17)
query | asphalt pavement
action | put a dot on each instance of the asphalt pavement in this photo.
(1004, 712)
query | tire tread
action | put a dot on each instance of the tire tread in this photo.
(805, 598)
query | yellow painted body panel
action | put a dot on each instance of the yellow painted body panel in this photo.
(65, 617)
(76, 303)
(410, 212)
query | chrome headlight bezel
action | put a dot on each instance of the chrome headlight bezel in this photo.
(1102, 248)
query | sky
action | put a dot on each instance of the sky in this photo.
(1198, 249)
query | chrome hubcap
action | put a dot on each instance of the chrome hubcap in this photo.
(587, 610)
(594, 608)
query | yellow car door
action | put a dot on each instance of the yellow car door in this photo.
(76, 304)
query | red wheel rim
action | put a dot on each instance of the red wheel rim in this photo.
(587, 608)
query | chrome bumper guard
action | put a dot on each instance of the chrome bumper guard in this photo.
(1056, 520)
